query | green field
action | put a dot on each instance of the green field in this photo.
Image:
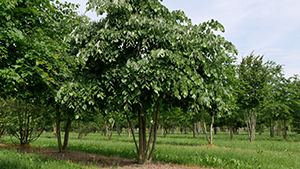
(265, 152)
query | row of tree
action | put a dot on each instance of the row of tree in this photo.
(140, 62)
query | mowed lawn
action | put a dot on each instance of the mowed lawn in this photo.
(265, 152)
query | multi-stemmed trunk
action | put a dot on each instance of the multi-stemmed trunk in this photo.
(284, 129)
(210, 138)
(144, 154)
(111, 130)
(250, 117)
(62, 148)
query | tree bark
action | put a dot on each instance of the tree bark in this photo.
(211, 129)
(173, 129)
(272, 129)
(118, 129)
(141, 159)
(67, 132)
(128, 130)
(278, 128)
(204, 129)
(250, 117)
(284, 129)
(160, 129)
(111, 130)
(194, 130)
(58, 134)
(156, 116)
(79, 130)
(231, 129)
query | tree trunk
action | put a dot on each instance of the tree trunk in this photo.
(155, 117)
(79, 130)
(173, 129)
(104, 130)
(143, 146)
(194, 130)
(54, 130)
(142, 158)
(284, 129)
(215, 130)
(278, 131)
(204, 129)
(160, 129)
(211, 129)
(111, 130)
(118, 129)
(250, 117)
(231, 129)
(272, 129)
(198, 128)
(58, 134)
(67, 132)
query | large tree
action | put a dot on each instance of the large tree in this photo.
(141, 55)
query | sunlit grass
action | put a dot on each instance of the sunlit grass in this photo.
(11, 159)
(264, 152)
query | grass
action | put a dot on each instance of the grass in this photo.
(265, 152)
(11, 159)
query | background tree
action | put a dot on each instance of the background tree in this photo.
(27, 121)
(253, 77)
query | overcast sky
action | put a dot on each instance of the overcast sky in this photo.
(269, 27)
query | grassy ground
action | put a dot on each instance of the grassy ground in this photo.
(265, 152)
(11, 159)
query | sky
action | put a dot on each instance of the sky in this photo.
(267, 27)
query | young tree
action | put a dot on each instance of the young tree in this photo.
(27, 121)
(253, 78)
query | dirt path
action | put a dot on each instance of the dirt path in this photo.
(95, 160)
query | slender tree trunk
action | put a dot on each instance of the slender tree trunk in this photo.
(118, 129)
(259, 130)
(155, 116)
(104, 128)
(215, 129)
(198, 128)
(173, 129)
(67, 132)
(284, 129)
(211, 129)
(160, 129)
(194, 130)
(278, 131)
(141, 159)
(111, 130)
(231, 129)
(58, 134)
(79, 130)
(272, 130)
(204, 129)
